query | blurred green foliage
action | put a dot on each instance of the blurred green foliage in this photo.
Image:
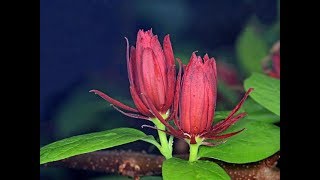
(83, 111)
(251, 49)
(266, 91)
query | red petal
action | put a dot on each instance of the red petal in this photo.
(207, 106)
(137, 116)
(210, 69)
(170, 88)
(225, 124)
(174, 109)
(160, 60)
(154, 111)
(224, 136)
(171, 71)
(276, 64)
(130, 60)
(152, 79)
(240, 103)
(138, 102)
(113, 101)
(194, 110)
(168, 52)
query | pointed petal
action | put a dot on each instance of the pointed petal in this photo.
(212, 144)
(177, 90)
(143, 40)
(174, 113)
(224, 136)
(113, 101)
(152, 79)
(240, 103)
(177, 135)
(160, 57)
(225, 124)
(170, 88)
(129, 66)
(154, 111)
(193, 97)
(138, 102)
(137, 116)
(168, 52)
(205, 58)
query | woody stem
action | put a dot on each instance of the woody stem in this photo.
(166, 147)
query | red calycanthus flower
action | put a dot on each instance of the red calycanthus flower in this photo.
(274, 71)
(275, 66)
(151, 72)
(197, 102)
(228, 74)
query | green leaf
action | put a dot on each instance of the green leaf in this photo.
(259, 141)
(266, 91)
(251, 49)
(256, 112)
(88, 143)
(177, 169)
(150, 139)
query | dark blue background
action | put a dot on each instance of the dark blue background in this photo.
(85, 38)
(78, 37)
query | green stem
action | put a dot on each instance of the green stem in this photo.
(165, 148)
(194, 152)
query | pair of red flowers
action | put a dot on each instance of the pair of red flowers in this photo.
(157, 92)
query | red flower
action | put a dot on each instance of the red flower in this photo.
(228, 74)
(274, 71)
(197, 103)
(275, 66)
(151, 72)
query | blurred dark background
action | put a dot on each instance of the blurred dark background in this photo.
(82, 47)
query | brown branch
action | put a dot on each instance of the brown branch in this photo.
(136, 164)
(261, 170)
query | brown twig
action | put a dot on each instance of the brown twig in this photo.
(136, 164)
(262, 170)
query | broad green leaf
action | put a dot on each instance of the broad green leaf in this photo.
(258, 141)
(88, 143)
(150, 139)
(266, 91)
(177, 169)
(255, 112)
(251, 49)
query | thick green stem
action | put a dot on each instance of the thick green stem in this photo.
(194, 152)
(165, 148)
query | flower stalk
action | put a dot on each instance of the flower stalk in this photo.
(194, 148)
(166, 146)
